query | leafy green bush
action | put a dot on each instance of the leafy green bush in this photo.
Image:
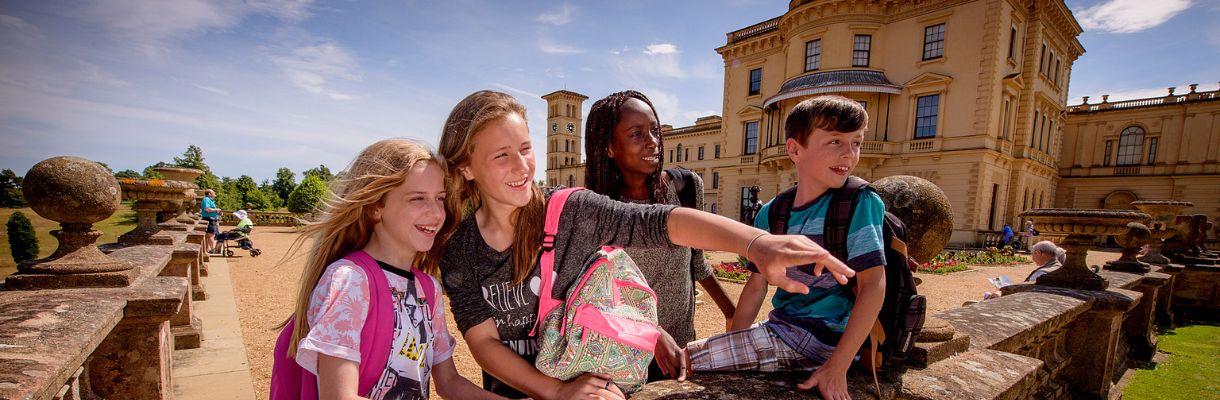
(21, 238)
(306, 197)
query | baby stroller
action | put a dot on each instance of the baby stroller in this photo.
(241, 234)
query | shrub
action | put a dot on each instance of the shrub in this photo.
(21, 238)
(731, 270)
(307, 195)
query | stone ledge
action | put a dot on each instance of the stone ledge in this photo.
(755, 385)
(1013, 320)
(976, 374)
(45, 337)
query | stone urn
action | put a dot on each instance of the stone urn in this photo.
(76, 193)
(1163, 213)
(1132, 241)
(923, 207)
(152, 196)
(170, 210)
(1079, 228)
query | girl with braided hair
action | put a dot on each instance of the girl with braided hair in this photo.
(624, 144)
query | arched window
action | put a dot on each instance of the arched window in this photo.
(679, 152)
(571, 181)
(1130, 146)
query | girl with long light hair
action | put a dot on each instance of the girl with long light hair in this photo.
(367, 323)
(489, 244)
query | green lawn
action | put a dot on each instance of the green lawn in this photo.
(1192, 370)
(119, 223)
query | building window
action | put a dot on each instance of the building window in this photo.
(934, 41)
(671, 156)
(1004, 124)
(715, 180)
(926, 108)
(860, 50)
(755, 81)
(700, 152)
(1152, 150)
(751, 144)
(1050, 58)
(717, 151)
(571, 181)
(1055, 73)
(1033, 135)
(687, 156)
(679, 153)
(1012, 43)
(813, 55)
(1130, 145)
(713, 208)
(1042, 58)
(1105, 160)
(864, 105)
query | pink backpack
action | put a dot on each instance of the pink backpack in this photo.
(607, 325)
(290, 382)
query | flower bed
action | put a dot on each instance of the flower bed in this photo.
(732, 271)
(954, 261)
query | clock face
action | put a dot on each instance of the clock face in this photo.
(571, 127)
(554, 127)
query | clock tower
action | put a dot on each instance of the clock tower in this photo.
(564, 131)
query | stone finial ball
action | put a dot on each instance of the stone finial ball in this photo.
(1137, 235)
(71, 190)
(925, 210)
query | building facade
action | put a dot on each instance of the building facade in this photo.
(969, 94)
(564, 138)
(1159, 148)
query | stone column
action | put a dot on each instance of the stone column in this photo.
(186, 328)
(1140, 325)
(1095, 336)
(135, 359)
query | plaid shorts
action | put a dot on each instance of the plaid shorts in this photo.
(756, 348)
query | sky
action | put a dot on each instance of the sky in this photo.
(264, 84)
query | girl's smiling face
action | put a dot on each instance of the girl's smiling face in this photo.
(412, 213)
(502, 162)
(636, 138)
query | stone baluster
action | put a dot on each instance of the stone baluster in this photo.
(186, 328)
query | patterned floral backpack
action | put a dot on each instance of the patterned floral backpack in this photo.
(608, 325)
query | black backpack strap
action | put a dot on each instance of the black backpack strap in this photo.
(684, 184)
(781, 207)
(838, 217)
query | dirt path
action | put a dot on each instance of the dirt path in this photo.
(266, 288)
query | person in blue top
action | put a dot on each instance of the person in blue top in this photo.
(209, 212)
(1008, 234)
(823, 330)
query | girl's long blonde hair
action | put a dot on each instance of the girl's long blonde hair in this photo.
(467, 119)
(345, 219)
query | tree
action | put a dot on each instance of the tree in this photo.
(307, 195)
(274, 202)
(150, 174)
(321, 172)
(285, 181)
(258, 200)
(228, 197)
(10, 190)
(21, 238)
(193, 158)
(127, 173)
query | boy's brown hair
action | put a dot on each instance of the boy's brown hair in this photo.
(832, 113)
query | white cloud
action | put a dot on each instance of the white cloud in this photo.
(1128, 16)
(292, 10)
(215, 90)
(562, 16)
(661, 48)
(524, 92)
(313, 67)
(548, 46)
(15, 27)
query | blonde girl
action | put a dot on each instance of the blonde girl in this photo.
(368, 323)
(489, 244)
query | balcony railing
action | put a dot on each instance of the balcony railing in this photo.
(1127, 170)
(1146, 102)
(754, 30)
(922, 145)
(747, 160)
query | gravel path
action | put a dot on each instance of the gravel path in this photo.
(266, 287)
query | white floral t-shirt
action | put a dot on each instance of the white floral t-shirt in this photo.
(338, 308)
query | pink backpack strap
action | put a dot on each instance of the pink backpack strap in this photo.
(554, 208)
(425, 282)
(288, 380)
(378, 331)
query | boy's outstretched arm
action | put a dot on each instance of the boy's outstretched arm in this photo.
(831, 378)
(750, 302)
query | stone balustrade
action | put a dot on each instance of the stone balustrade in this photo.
(268, 218)
(100, 321)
